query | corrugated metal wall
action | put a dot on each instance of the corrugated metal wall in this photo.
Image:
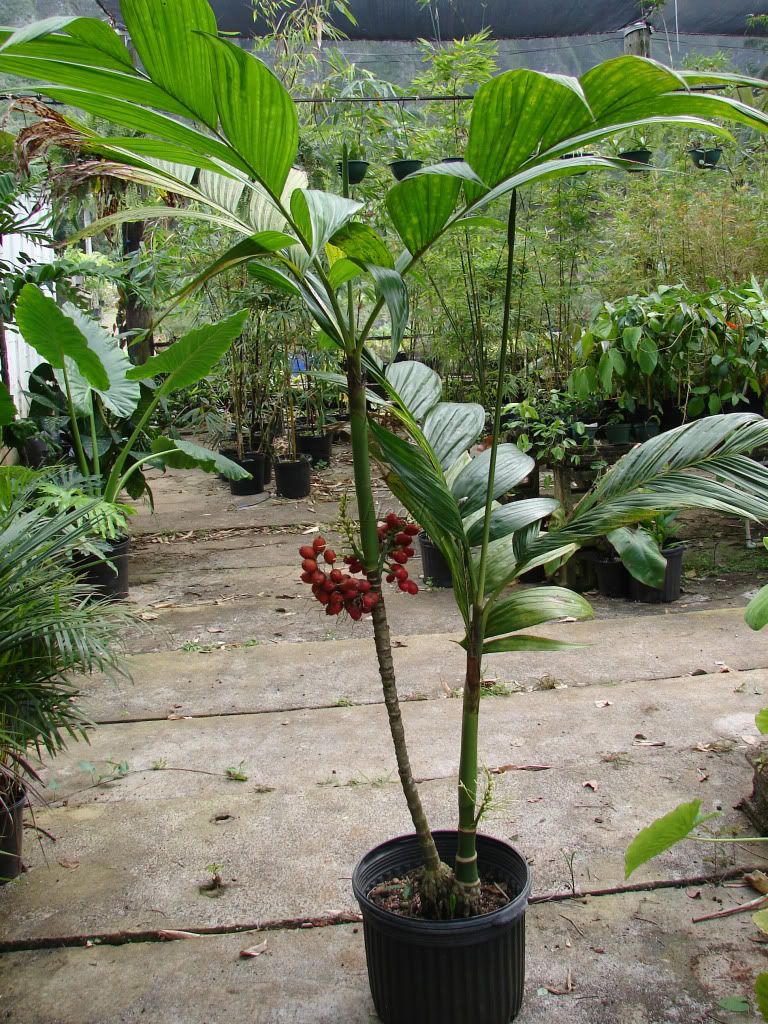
(21, 358)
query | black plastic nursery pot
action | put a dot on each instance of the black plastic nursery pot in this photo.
(641, 157)
(11, 832)
(316, 446)
(253, 463)
(97, 573)
(402, 168)
(293, 479)
(466, 971)
(357, 170)
(706, 157)
(645, 431)
(618, 433)
(436, 570)
(613, 579)
(673, 578)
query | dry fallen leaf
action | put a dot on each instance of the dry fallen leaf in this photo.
(758, 880)
(71, 864)
(592, 784)
(172, 933)
(520, 768)
(312, 529)
(215, 629)
(254, 950)
(603, 703)
(643, 741)
(693, 894)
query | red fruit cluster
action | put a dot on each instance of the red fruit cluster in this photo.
(397, 538)
(335, 589)
(339, 591)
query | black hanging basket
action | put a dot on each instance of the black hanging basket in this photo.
(11, 832)
(467, 971)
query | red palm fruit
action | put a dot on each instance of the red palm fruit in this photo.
(318, 577)
(356, 567)
(382, 531)
(322, 597)
(399, 556)
(329, 556)
(363, 586)
(354, 612)
(336, 575)
(390, 577)
(348, 559)
(392, 519)
(309, 565)
(400, 573)
(373, 597)
(307, 551)
(349, 589)
(412, 530)
(403, 585)
(413, 588)
(403, 538)
(332, 609)
(367, 602)
(328, 586)
(410, 552)
(318, 543)
(306, 577)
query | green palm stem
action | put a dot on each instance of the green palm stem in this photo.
(76, 440)
(94, 444)
(466, 856)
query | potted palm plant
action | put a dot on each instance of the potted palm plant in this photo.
(522, 123)
(49, 634)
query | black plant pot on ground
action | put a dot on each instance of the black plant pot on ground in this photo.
(11, 832)
(645, 431)
(613, 579)
(618, 433)
(97, 573)
(673, 578)
(293, 479)
(466, 971)
(253, 463)
(436, 570)
(316, 446)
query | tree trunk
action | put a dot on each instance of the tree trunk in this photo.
(134, 317)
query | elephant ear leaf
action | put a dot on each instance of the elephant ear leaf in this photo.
(190, 358)
(450, 428)
(122, 395)
(640, 554)
(179, 454)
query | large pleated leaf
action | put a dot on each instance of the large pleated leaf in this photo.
(263, 213)
(615, 84)
(263, 244)
(511, 115)
(640, 554)
(391, 287)
(450, 428)
(55, 336)
(223, 190)
(471, 486)
(122, 395)
(168, 40)
(257, 114)
(190, 358)
(319, 215)
(417, 386)
(516, 515)
(360, 242)
(506, 562)
(525, 642)
(420, 206)
(530, 606)
(179, 454)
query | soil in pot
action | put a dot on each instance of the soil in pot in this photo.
(293, 479)
(253, 463)
(316, 446)
(436, 570)
(673, 578)
(11, 832)
(402, 168)
(466, 971)
(106, 582)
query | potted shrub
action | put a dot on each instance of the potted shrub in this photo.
(661, 531)
(293, 475)
(50, 634)
(510, 144)
(637, 152)
(101, 387)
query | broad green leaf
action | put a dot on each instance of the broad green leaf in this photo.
(258, 116)
(55, 336)
(391, 287)
(647, 355)
(734, 1004)
(524, 642)
(761, 721)
(418, 387)
(263, 244)
(35, 30)
(420, 206)
(761, 920)
(471, 485)
(274, 279)
(190, 358)
(506, 564)
(450, 428)
(511, 517)
(342, 271)
(661, 835)
(627, 81)
(319, 215)
(223, 190)
(756, 612)
(514, 116)
(640, 554)
(122, 395)
(180, 454)
(360, 242)
(530, 606)
(168, 40)
(7, 408)
(630, 336)
(761, 994)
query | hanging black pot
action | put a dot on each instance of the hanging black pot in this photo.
(402, 168)
(706, 158)
(436, 570)
(466, 971)
(316, 446)
(253, 463)
(673, 578)
(293, 479)
(356, 169)
(642, 157)
(107, 583)
(11, 832)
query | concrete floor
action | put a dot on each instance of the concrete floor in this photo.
(237, 670)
